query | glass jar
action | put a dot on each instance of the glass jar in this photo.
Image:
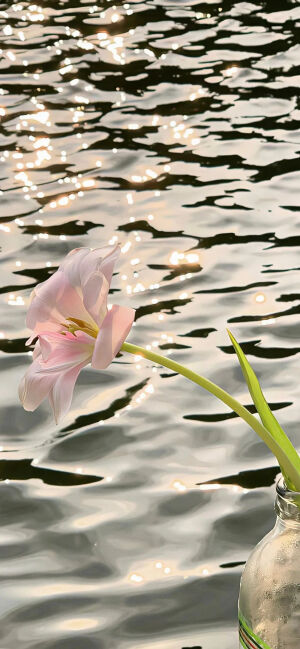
(269, 601)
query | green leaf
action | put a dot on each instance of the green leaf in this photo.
(269, 421)
(289, 466)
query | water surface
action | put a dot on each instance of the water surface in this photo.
(172, 128)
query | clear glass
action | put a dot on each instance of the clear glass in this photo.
(270, 586)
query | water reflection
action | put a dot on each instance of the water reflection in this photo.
(172, 130)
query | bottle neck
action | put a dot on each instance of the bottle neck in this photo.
(287, 505)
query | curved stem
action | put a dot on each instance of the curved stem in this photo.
(290, 471)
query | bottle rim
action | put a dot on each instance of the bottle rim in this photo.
(287, 504)
(284, 492)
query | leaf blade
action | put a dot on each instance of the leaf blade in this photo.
(266, 415)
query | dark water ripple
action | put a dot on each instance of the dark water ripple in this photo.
(173, 129)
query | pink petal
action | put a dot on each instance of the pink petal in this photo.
(95, 292)
(108, 263)
(81, 263)
(53, 302)
(114, 330)
(71, 267)
(37, 350)
(90, 272)
(44, 346)
(100, 260)
(60, 350)
(34, 387)
(60, 396)
(78, 290)
(58, 361)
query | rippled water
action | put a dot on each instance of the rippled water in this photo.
(173, 129)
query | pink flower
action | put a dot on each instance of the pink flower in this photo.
(68, 315)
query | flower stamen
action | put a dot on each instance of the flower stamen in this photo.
(81, 325)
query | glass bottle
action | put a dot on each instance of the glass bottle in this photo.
(269, 601)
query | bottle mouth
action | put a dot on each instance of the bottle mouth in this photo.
(283, 491)
(287, 504)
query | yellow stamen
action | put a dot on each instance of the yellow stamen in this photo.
(82, 325)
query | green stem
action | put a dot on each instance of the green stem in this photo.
(290, 471)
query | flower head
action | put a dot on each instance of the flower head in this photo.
(69, 317)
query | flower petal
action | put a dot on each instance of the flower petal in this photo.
(57, 358)
(34, 386)
(60, 396)
(81, 263)
(100, 259)
(71, 264)
(114, 330)
(54, 301)
(95, 292)
(59, 349)
(37, 350)
(90, 272)
(78, 289)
